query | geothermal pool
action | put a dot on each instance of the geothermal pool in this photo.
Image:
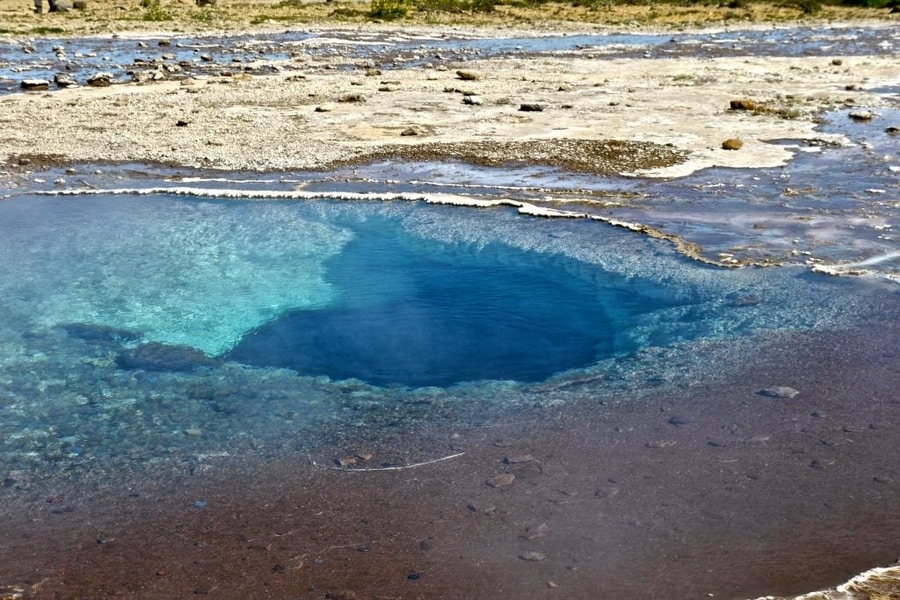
(308, 383)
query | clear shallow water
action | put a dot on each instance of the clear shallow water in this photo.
(40, 58)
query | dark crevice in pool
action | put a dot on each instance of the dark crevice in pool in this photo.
(420, 312)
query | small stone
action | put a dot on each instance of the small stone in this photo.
(518, 459)
(861, 115)
(346, 461)
(352, 98)
(892, 130)
(322, 109)
(181, 123)
(537, 532)
(501, 480)
(193, 431)
(744, 104)
(880, 479)
(779, 391)
(472, 100)
(64, 80)
(468, 75)
(414, 575)
(206, 57)
(608, 492)
(34, 84)
(837, 62)
(552, 585)
(101, 79)
(410, 131)
(531, 107)
(732, 144)
(532, 556)
(365, 456)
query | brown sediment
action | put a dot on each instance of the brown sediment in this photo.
(712, 491)
(599, 157)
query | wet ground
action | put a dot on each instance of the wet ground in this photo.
(122, 58)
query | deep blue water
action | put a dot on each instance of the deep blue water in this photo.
(421, 312)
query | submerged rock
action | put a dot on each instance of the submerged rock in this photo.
(156, 356)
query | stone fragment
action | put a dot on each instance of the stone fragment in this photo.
(861, 115)
(34, 84)
(732, 144)
(353, 97)
(64, 80)
(101, 79)
(532, 556)
(744, 104)
(466, 75)
(472, 100)
(531, 107)
(518, 459)
(501, 480)
(779, 391)
(892, 130)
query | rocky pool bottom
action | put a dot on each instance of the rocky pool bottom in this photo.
(722, 483)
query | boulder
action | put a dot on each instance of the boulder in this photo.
(732, 144)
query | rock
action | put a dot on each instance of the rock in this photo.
(518, 459)
(472, 100)
(501, 480)
(101, 79)
(31, 85)
(468, 75)
(410, 131)
(203, 3)
(64, 80)
(79, 4)
(744, 104)
(732, 144)
(532, 556)
(353, 97)
(861, 115)
(60, 6)
(892, 130)
(779, 391)
(837, 62)
(531, 107)
(156, 356)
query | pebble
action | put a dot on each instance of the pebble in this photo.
(732, 144)
(531, 107)
(501, 480)
(532, 556)
(472, 100)
(468, 75)
(779, 391)
(861, 115)
(518, 459)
